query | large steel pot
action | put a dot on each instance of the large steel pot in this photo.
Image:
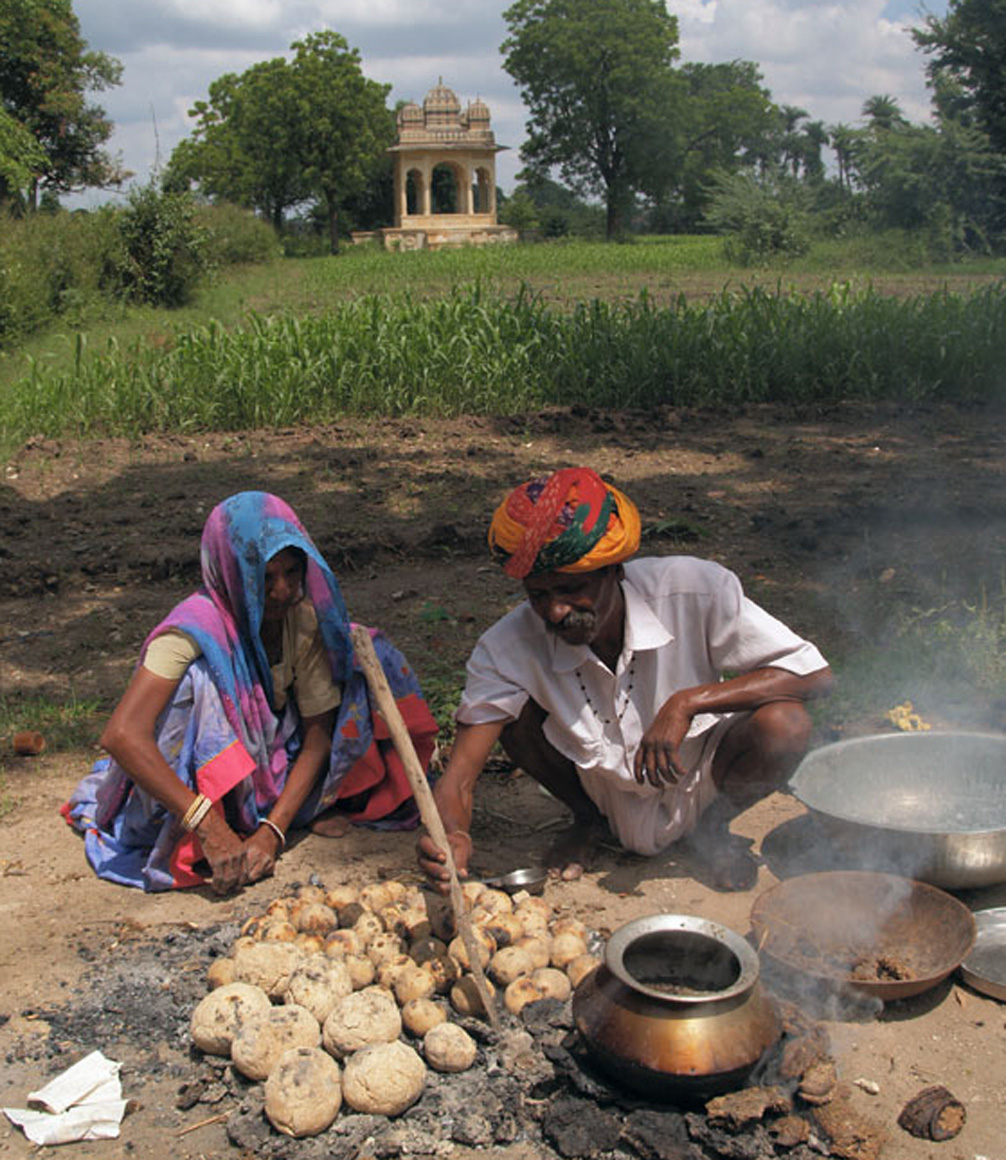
(676, 1011)
(929, 806)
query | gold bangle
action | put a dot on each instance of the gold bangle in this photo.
(197, 811)
(276, 830)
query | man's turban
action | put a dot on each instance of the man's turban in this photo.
(571, 521)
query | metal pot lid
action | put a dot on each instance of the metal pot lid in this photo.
(985, 967)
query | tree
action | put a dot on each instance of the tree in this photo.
(883, 111)
(245, 146)
(969, 45)
(312, 128)
(343, 126)
(46, 73)
(22, 159)
(590, 73)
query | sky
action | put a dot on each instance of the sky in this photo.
(824, 56)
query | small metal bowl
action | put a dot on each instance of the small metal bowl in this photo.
(529, 880)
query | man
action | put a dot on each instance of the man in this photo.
(649, 696)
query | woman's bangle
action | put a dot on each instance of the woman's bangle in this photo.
(276, 830)
(197, 811)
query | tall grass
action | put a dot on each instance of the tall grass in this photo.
(473, 352)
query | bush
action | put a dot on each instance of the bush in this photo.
(236, 237)
(761, 218)
(161, 251)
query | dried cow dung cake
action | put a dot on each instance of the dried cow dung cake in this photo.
(303, 1093)
(934, 1114)
(384, 1079)
(218, 1017)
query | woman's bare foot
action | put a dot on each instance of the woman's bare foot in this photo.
(573, 852)
(331, 825)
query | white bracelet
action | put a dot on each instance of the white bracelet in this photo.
(276, 830)
(197, 811)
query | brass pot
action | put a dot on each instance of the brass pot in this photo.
(676, 1011)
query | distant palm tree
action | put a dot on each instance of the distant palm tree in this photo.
(843, 141)
(884, 111)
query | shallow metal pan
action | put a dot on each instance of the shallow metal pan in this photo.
(985, 967)
(929, 806)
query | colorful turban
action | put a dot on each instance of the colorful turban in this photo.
(571, 521)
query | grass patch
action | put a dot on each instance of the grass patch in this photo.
(65, 725)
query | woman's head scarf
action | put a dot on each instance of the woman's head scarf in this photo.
(570, 521)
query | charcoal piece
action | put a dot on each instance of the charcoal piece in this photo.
(577, 1128)
(544, 1015)
(754, 1143)
(247, 1127)
(657, 1135)
(189, 1094)
(400, 1139)
(934, 1114)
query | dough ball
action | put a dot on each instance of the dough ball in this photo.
(262, 1040)
(414, 898)
(505, 929)
(396, 890)
(417, 924)
(350, 914)
(340, 896)
(365, 1017)
(374, 897)
(368, 927)
(392, 919)
(419, 1015)
(278, 930)
(448, 1047)
(521, 992)
(570, 926)
(581, 967)
(311, 893)
(508, 964)
(465, 997)
(303, 1093)
(384, 1079)
(241, 941)
(444, 971)
(220, 973)
(532, 905)
(384, 946)
(495, 901)
(390, 969)
(441, 916)
(413, 982)
(472, 891)
(565, 948)
(268, 965)
(540, 949)
(554, 984)
(485, 948)
(310, 944)
(362, 971)
(315, 918)
(218, 1017)
(318, 984)
(421, 950)
(279, 908)
(343, 942)
(253, 927)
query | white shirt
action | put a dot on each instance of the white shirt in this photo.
(687, 622)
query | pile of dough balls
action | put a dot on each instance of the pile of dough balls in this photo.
(322, 993)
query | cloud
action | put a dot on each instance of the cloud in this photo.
(825, 57)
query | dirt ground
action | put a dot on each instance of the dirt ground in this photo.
(835, 519)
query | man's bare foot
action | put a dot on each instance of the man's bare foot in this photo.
(331, 825)
(573, 852)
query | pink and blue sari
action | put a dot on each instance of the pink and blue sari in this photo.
(221, 731)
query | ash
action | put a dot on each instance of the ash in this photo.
(531, 1083)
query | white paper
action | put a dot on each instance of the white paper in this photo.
(83, 1103)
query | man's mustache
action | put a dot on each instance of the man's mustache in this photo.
(574, 622)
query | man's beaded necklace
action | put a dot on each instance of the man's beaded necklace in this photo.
(620, 713)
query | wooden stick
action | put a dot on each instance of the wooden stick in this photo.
(381, 691)
(203, 1124)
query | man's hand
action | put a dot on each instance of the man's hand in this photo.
(658, 758)
(433, 861)
(225, 852)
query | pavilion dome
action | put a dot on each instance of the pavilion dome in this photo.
(410, 114)
(478, 111)
(441, 99)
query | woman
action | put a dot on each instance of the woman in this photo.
(246, 716)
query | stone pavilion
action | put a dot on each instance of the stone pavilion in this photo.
(445, 176)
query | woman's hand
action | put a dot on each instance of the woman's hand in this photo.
(225, 852)
(262, 849)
